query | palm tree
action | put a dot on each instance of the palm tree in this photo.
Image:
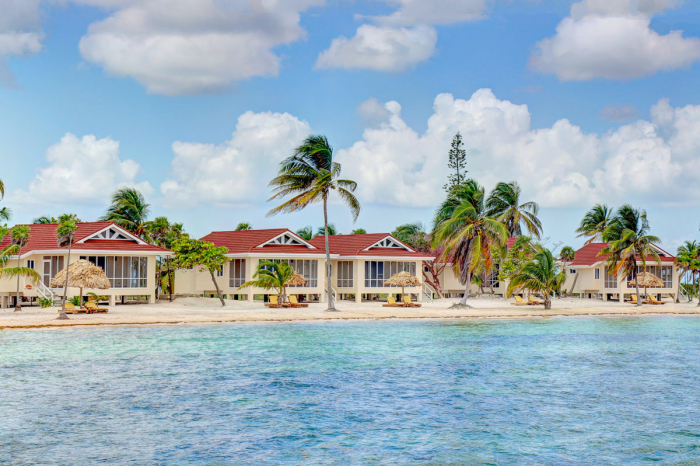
(628, 237)
(156, 232)
(687, 259)
(504, 204)
(5, 214)
(66, 234)
(406, 232)
(358, 231)
(129, 210)
(306, 233)
(467, 232)
(243, 226)
(310, 175)
(5, 256)
(20, 236)
(45, 219)
(567, 254)
(272, 275)
(2, 189)
(332, 231)
(595, 222)
(542, 274)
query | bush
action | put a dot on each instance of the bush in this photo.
(76, 300)
(45, 302)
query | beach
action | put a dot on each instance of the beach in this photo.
(210, 311)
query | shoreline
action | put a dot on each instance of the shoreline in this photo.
(204, 311)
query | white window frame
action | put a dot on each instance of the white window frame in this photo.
(236, 276)
(124, 278)
(597, 273)
(346, 274)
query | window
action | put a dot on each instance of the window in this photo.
(52, 265)
(376, 272)
(123, 271)
(597, 274)
(492, 280)
(306, 268)
(572, 271)
(236, 273)
(610, 280)
(345, 274)
(664, 272)
(30, 264)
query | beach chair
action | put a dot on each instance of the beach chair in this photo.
(653, 300)
(274, 302)
(531, 299)
(295, 303)
(70, 309)
(633, 299)
(390, 302)
(519, 302)
(408, 303)
(92, 307)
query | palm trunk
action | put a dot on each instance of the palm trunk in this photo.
(171, 279)
(331, 301)
(547, 300)
(218, 291)
(636, 285)
(463, 301)
(571, 291)
(63, 315)
(678, 292)
(283, 295)
(19, 254)
(159, 279)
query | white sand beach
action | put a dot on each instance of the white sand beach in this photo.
(209, 311)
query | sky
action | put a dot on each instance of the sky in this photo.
(195, 103)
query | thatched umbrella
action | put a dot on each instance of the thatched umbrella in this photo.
(402, 279)
(647, 279)
(296, 280)
(83, 274)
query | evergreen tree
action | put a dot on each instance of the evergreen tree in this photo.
(457, 161)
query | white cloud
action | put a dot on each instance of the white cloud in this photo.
(612, 39)
(83, 170)
(619, 113)
(559, 166)
(380, 48)
(235, 172)
(19, 33)
(401, 40)
(177, 47)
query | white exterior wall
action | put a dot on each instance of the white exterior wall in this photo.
(588, 284)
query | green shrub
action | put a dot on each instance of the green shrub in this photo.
(45, 302)
(76, 300)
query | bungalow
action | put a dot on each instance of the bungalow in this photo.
(587, 274)
(359, 264)
(128, 261)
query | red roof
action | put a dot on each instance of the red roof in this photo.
(247, 241)
(588, 255)
(355, 245)
(511, 241)
(43, 238)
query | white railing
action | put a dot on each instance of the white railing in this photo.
(428, 292)
(45, 292)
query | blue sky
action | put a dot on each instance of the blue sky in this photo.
(196, 103)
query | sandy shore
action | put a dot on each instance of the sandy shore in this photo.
(208, 311)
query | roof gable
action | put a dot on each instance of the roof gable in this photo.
(286, 238)
(589, 255)
(389, 242)
(112, 232)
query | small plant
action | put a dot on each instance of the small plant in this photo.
(76, 301)
(45, 302)
(96, 298)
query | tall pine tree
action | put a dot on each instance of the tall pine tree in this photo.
(457, 161)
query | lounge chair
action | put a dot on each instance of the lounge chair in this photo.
(519, 302)
(70, 309)
(92, 307)
(390, 302)
(653, 300)
(274, 302)
(531, 300)
(633, 299)
(408, 303)
(295, 303)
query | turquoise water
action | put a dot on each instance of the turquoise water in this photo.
(563, 391)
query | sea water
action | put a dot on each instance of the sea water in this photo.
(580, 391)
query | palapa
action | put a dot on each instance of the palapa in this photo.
(83, 274)
(647, 279)
(296, 280)
(402, 279)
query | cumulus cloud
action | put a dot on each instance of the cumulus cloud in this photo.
(237, 171)
(612, 39)
(81, 171)
(619, 113)
(20, 33)
(558, 166)
(380, 48)
(400, 40)
(178, 47)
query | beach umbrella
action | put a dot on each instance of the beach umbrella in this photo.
(402, 279)
(647, 279)
(83, 274)
(296, 280)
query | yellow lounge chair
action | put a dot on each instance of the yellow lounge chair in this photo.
(295, 303)
(274, 302)
(653, 300)
(93, 307)
(390, 302)
(70, 309)
(519, 302)
(531, 299)
(633, 299)
(408, 303)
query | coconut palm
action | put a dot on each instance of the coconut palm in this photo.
(129, 210)
(156, 232)
(567, 254)
(306, 233)
(407, 232)
(272, 275)
(19, 236)
(628, 238)
(243, 226)
(309, 176)
(45, 220)
(5, 255)
(332, 231)
(595, 222)
(541, 274)
(467, 232)
(504, 203)
(2, 189)
(358, 231)
(65, 233)
(5, 214)
(688, 260)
